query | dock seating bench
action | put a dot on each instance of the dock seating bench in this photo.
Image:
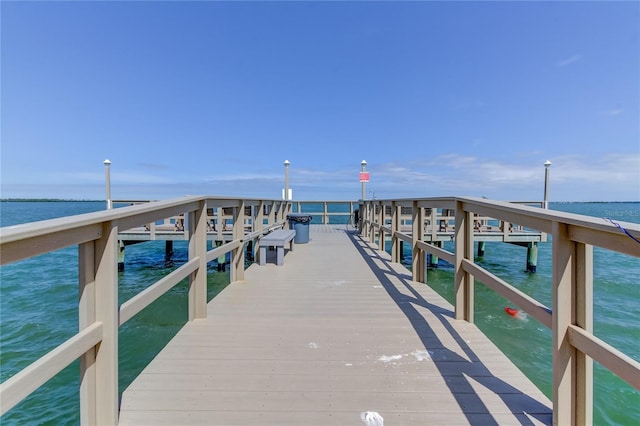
(276, 239)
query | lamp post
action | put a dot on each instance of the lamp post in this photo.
(286, 180)
(547, 164)
(363, 163)
(107, 175)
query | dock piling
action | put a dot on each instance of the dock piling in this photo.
(481, 248)
(433, 259)
(168, 251)
(120, 256)
(222, 258)
(532, 257)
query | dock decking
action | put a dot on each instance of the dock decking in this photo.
(337, 331)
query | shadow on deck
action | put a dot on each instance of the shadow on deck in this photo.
(338, 331)
(468, 368)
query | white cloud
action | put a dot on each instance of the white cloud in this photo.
(613, 112)
(575, 177)
(568, 61)
(616, 176)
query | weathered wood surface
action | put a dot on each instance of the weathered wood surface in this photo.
(337, 331)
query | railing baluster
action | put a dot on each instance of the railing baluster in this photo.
(106, 277)
(434, 224)
(365, 219)
(563, 354)
(86, 317)
(381, 233)
(325, 214)
(395, 227)
(258, 225)
(372, 220)
(418, 255)
(280, 212)
(198, 249)
(237, 254)
(584, 319)
(271, 218)
(464, 250)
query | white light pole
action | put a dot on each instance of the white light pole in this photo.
(363, 163)
(547, 164)
(107, 175)
(286, 180)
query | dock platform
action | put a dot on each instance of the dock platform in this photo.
(336, 332)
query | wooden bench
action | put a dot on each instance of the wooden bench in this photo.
(276, 239)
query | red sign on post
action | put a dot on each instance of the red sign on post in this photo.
(364, 176)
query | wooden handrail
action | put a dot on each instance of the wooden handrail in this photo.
(22, 384)
(324, 213)
(571, 316)
(96, 234)
(137, 303)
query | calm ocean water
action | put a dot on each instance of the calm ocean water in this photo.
(38, 310)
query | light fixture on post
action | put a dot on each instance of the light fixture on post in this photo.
(107, 175)
(547, 164)
(363, 163)
(286, 196)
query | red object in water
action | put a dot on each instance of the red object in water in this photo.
(511, 311)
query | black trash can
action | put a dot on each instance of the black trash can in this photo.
(300, 223)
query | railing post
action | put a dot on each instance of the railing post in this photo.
(504, 227)
(372, 220)
(365, 219)
(277, 214)
(258, 225)
(284, 211)
(584, 319)
(220, 221)
(282, 214)
(464, 282)
(198, 248)
(396, 243)
(418, 256)
(381, 233)
(434, 224)
(563, 354)
(351, 213)
(106, 284)
(276, 211)
(325, 218)
(237, 254)
(361, 218)
(271, 217)
(86, 317)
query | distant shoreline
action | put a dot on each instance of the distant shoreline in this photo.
(66, 200)
(45, 200)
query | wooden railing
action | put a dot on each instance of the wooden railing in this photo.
(574, 346)
(96, 235)
(442, 220)
(220, 219)
(325, 214)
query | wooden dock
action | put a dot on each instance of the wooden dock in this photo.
(337, 331)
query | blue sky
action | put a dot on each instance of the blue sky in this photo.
(211, 97)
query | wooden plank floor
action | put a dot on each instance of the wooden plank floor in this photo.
(335, 332)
